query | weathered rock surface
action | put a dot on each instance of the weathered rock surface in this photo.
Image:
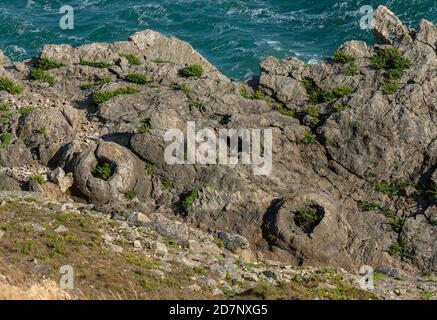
(363, 164)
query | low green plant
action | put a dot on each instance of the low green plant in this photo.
(149, 168)
(132, 59)
(389, 87)
(245, 93)
(166, 184)
(397, 249)
(95, 64)
(5, 106)
(391, 60)
(196, 103)
(283, 110)
(102, 96)
(394, 63)
(397, 225)
(391, 189)
(6, 138)
(145, 125)
(25, 110)
(312, 110)
(341, 57)
(337, 93)
(104, 170)
(258, 95)
(131, 194)
(192, 70)
(162, 61)
(340, 107)
(308, 218)
(189, 199)
(352, 69)
(315, 94)
(105, 79)
(41, 75)
(309, 137)
(137, 78)
(10, 86)
(46, 63)
(184, 88)
(38, 179)
(41, 130)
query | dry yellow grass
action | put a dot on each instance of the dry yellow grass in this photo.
(46, 290)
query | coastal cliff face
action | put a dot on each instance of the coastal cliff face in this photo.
(353, 178)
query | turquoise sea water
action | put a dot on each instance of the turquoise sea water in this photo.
(233, 34)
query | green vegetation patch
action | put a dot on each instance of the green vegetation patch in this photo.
(145, 125)
(10, 86)
(283, 110)
(308, 218)
(309, 137)
(5, 138)
(137, 78)
(192, 70)
(104, 170)
(95, 64)
(132, 59)
(341, 57)
(41, 75)
(184, 88)
(46, 63)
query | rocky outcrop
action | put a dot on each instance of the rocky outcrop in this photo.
(353, 177)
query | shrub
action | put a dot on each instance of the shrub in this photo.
(258, 95)
(5, 106)
(184, 88)
(391, 60)
(196, 103)
(244, 93)
(41, 130)
(337, 92)
(341, 57)
(26, 110)
(309, 137)
(397, 248)
(283, 110)
(41, 75)
(308, 218)
(132, 59)
(104, 170)
(162, 61)
(145, 126)
(38, 179)
(312, 110)
(340, 107)
(105, 79)
(189, 199)
(315, 94)
(10, 86)
(352, 69)
(102, 96)
(370, 206)
(397, 225)
(390, 189)
(95, 64)
(389, 87)
(47, 64)
(166, 184)
(6, 138)
(130, 195)
(193, 70)
(137, 78)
